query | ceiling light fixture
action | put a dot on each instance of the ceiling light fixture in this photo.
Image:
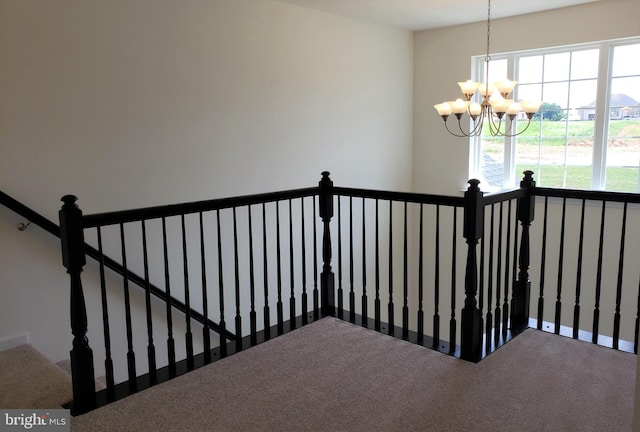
(494, 106)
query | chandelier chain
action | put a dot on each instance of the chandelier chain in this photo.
(488, 57)
(493, 108)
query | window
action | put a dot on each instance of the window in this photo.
(586, 134)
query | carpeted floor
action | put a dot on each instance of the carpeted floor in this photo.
(30, 380)
(334, 376)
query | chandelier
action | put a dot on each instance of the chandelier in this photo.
(496, 110)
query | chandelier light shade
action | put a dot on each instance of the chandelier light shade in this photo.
(494, 109)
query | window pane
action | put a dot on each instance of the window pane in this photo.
(492, 161)
(622, 179)
(578, 177)
(550, 175)
(531, 92)
(498, 70)
(623, 143)
(530, 69)
(581, 131)
(625, 60)
(556, 66)
(623, 155)
(625, 93)
(583, 94)
(579, 153)
(584, 64)
(556, 93)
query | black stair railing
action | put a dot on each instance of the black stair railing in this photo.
(50, 227)
(589, 233)
(227, 250)
(402, 240)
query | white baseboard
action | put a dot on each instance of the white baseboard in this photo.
(14, 341)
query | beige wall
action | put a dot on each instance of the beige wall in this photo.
(146, 102)
(442, 57)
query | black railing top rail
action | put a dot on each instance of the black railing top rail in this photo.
(506, 195)
(47, 225)
(588, 194)
(400, 196)
(29, 214)
(124, 216)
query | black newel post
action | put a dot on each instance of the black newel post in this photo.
(522, 289)
(327, 278)
(471, 339)
(73, 258)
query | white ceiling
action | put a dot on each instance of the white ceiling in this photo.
(428, 14)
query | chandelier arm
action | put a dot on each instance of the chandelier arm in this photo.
(526, 127)
(454, 133)
(523, 130)
(494, 129)
(507, 130)
(486, 114)
(477, 125)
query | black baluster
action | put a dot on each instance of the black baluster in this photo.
(576, 306)
(185, 267)
(481, 276)
(316, 305)
(131, 356)
(280, 312)
(514, 271)
(222, 324)
(108, 362)
(265, 272)
(151, 350)
(352, 296)
(635, 337)
(616, 318)
(292, 298)
(236, 267)
(305, 312)
(340, 275)
(507, 269)
(489, 317)
(522, 288)
(452, 320)
(497, 312)
(436, 283)
(543, 260)
(73, 258)
(391, 329)
(560, 268)
(253, 324)
(171, 345)
(471, 337)
(327, 281)
(365, 312)
(206, 335)
(421, 277)
(377, 300)
(596, 311)
(405, 279)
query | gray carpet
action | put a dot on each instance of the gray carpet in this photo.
(30, 380)
(334, 376)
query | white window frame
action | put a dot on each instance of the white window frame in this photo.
(601, 126)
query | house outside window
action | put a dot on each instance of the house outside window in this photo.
(586, 134)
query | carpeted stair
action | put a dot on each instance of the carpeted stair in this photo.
(29, 380)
